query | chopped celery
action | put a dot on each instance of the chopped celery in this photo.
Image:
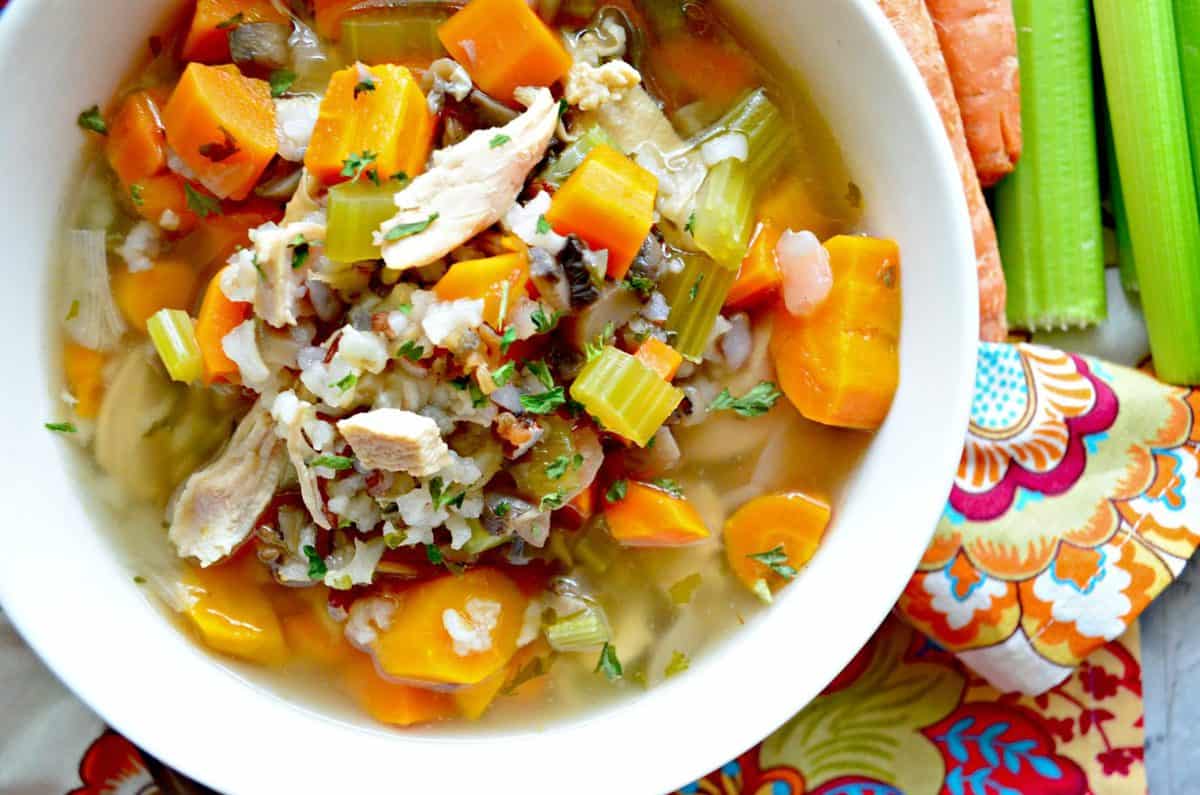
(1125, 259)
(1048, 210)
(582, 631)
(481, 540)
(174, 338)
(767, 135)
(696, 296)
(1187, 31)
(626, 396)
(724, 215)
(1145, 96)
(393, 35)
(557, 172)
(356, 210)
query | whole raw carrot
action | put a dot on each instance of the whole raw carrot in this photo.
(979, 42)
(912, 22)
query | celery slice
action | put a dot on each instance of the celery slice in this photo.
(1125, 259)
(1048, 210)
(724, 216)
(696, 296)
(356, 210)
(392, 36)
(481, 540)
(582, 631)
(767, 135)
(626, 396)
(557, 172)
(174, 338)
(1145, 95)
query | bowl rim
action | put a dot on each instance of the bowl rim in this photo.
(127, 697)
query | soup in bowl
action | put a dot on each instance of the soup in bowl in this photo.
(467, 369)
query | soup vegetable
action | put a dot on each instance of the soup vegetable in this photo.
(476, 355)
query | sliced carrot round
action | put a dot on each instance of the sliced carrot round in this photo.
(772, 536)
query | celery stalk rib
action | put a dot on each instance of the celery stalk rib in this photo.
(1125, 259)
(1048, 210)
(1146, 100)
(1187, 32)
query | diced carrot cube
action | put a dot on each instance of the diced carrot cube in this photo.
(168, 284)
(390, 121)
(648, 516)
(759, 277)
(659, 357)
(84, 370)
(609, 203)
(504, 45)
(162, 200)
(218, 316)
(222, 125)
(136, 145)
(489, 279)
(392, 703)
(234, 616)
(704, 69)
(208, 37)
(474, 700)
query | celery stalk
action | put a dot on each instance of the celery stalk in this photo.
(392, 36)
(582, 631)
(696, 296)
(724, 216)
(356, 210)
(767, 135)
(1145, 94)
(174, 338)
(1187, 32)
(1125, 259)
(564, 165)
(1048, 210)
(625, 395)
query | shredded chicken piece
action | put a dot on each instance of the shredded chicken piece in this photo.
(278, 293)
(217, 507)
(395, 440)
(303, 204)
(589, 86)
(470, 186)
(300, 452)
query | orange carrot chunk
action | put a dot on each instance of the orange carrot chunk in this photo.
(217, 237)
(168, 284)
(659, 357)
(222, 125)
(329, 14)
(609, 203)
(163, 200)
(503, 45)
(418, 645)
(703, 69)
(649, 516)
(218, 316)
(208, 37)
(474, 700)
(392, 703)
(499, 281)
(759, 278)
(387, 124)
(136, 145)
(840, 364)
(771, 537)
(84, 370)
(233, 614)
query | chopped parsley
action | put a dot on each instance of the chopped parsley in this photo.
(616, 491)
(402, 231)
(316, 564)
(411, 351)
(335, 462)
(669, 486)
(73, 310)
(544, 402)
(562, 108)
(639, 283)
(776, 560)
(502, 508)
(355, 166)
(532, 670)
(232, 22)
(543, 226)
(543, 323)
(551, 502)
(507, 339)
(541, 371)
(694, 290)
(467, 384)
(593, 349)
(558, 467)
(366, 84)
(678, 664)
(346, 383)
(139, 579)
(135, 194)
(755, 403)
(91, 119)
(442, 497)
(299, 251)
(690, 226)
(61, 427)
(504, 373)
(281, 80)
(608, 664)
(199, 203)
(682, 592)
(399, 176)
(499, 140)
(219, 151)
(434, 554)
(404, 309)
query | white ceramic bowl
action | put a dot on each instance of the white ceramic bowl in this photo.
(70, 596)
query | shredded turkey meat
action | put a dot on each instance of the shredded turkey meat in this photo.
(396, 441)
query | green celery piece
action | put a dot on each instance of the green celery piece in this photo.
(481, 540)
(356, 210)
(564, 165)
(1125, 259)
(1187, 32)
(1048, 211)
(174, 338)
(767, 135)
(582, 631)
(626, 396)
(1146, 99)
(393, 35)
(724, 216)
(696, 296)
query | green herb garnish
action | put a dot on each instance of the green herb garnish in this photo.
(543, 226)
(678, 664)
(135, 194)
(334, 462)
(399, 176)
(544, 402)
(281, 80)
(777, 561)
(608, 663)
(507, 339)
(91, 120)
(593, 349)
(412, 351)
(232, 22)
(755, 403)
(354, 165)
(200, 204)
(616, 491)
(61, 427)
(690, 226)
(669, 486)
(346, 383)
(504, 373)
(543, 323)
(551, 502)
(695, 288)
(558, 467)
(502, 508)
(408, 230)
(299, 251)
(499, 140)
(363, 85)
(639, 283)
(434, 555)
(541, 371)
(316, 564)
